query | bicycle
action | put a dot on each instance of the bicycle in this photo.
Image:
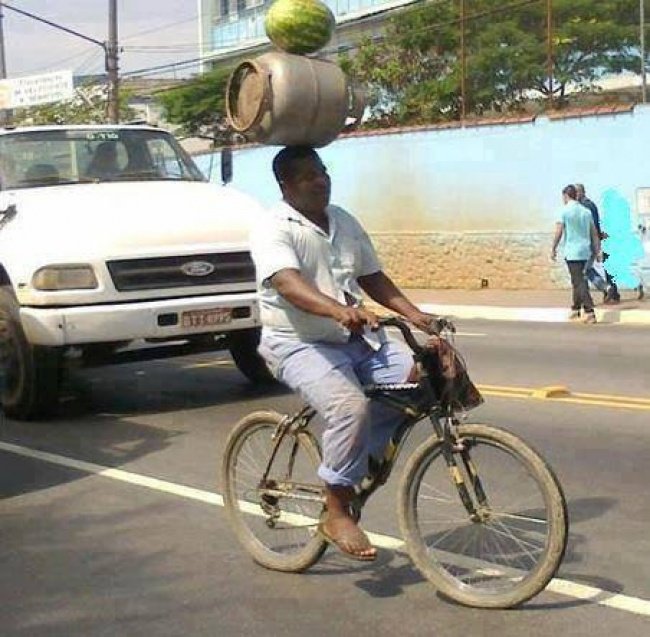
(483, 515)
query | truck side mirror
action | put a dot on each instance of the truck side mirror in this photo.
(226, 165)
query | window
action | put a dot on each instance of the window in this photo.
(71, 156)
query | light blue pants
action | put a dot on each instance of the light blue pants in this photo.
(329, 377)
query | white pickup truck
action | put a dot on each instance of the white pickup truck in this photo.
(111, 238)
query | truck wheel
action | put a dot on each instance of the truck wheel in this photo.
(243, 348)
(31, 373)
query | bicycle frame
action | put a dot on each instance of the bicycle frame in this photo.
(442, 417)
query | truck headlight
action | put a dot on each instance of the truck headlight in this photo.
(65, 277)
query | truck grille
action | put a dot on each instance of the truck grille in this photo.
(176, 272)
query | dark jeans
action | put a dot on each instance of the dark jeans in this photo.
(581, 296)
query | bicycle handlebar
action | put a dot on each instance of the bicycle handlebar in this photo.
(438, 326)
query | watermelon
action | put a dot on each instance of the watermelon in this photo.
(299, 26)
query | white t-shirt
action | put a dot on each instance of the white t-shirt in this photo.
(332, 263)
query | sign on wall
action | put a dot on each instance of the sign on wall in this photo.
(21, 92)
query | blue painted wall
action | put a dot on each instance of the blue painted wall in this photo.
(505, 178)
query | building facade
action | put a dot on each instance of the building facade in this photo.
(231, 28)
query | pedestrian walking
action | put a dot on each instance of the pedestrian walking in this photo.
(612, 294)
(575, 227)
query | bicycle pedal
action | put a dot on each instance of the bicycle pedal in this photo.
(270, 500)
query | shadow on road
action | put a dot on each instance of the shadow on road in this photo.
(158, 387)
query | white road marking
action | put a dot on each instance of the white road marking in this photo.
(601, 597)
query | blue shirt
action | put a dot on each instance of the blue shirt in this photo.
(577, 222)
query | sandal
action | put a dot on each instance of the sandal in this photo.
(349, 543)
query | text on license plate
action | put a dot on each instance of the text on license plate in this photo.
(205, 318)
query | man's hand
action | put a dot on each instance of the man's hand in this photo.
(428, 323)
(355, 319)
(554, 254)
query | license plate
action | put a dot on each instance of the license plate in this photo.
(205, 318)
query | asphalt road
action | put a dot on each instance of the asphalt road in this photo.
(91, 553)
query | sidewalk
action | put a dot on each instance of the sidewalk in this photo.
(551, 306)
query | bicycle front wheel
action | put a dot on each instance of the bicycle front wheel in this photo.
(276, 518)
(505, 550)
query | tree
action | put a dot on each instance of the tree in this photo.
(200, 104)
(88, 106)
(413, 71)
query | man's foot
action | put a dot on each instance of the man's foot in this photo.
(574, 315)
(348, 538)
(340, 529)
(590, 318)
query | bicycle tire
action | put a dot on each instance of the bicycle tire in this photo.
(449, 569)
(296, 551)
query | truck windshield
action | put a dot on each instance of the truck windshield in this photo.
(33, 159)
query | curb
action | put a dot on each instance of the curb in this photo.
(536, 314)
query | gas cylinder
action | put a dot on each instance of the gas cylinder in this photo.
(280, 99)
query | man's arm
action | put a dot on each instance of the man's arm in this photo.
(559, 231)
(293, 287)
(381, 289)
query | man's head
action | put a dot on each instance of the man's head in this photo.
(303, 179)
(580, 190)
(106, 152)
(569, 193)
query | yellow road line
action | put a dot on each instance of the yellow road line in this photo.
(551, 393)
(225, 363)
(597, 400)
(630, 399)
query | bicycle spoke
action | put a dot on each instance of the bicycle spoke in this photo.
(280, 520)
(497, 551)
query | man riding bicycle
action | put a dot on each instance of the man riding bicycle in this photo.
(313, 262)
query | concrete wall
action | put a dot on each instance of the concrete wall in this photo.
(451, 207)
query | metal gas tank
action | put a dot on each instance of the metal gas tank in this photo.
(283, 99)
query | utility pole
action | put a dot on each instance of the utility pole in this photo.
(644, 78)
(463, 64)
(112, 54)
(549, 49)
(3, 63)
(109, 47)
(5, 115)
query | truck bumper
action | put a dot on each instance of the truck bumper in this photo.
(130, 321)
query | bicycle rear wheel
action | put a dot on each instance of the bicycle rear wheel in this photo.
(276, 522)
(510, 549)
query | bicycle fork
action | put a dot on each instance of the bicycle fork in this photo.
(451, 447)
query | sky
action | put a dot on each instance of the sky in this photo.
(151, 32)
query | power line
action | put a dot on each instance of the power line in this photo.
(160, 47)
(160, 28)
(53, 24)
(184, 64)
(49, 65)
(473, 16)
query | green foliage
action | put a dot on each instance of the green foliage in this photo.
(200, 104)
(88, 106)
(413, 73)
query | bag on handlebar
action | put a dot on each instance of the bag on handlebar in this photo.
(449, 377)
